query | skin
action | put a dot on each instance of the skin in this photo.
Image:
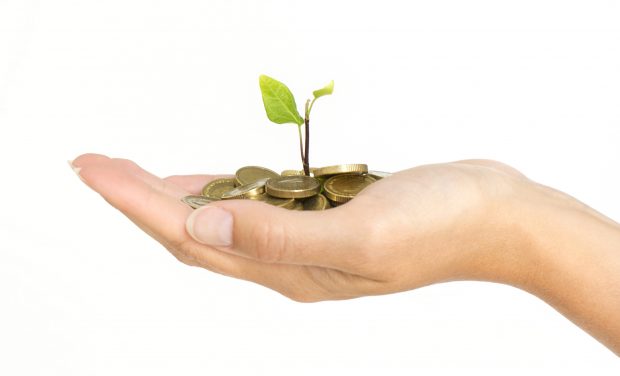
(465, 220)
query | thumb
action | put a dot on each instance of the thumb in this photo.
(274, 235)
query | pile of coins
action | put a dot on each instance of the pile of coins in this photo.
(326, 187)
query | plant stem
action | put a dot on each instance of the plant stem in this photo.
(307, 151)
(306, 159)
(301, 148)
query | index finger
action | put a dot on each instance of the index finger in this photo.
(193, 183)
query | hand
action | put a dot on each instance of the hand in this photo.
(474, 219)
(411, 229)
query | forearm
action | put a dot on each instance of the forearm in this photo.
(575, 266)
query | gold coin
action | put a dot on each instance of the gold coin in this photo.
(198, 201)
(379, 174)
(246, 191)
(250, 174)
(287, 203)
(318, 202)
(293, 186)
(299, 205)
(292, 173)
(341, 169)
(218, 187)
(342, 188)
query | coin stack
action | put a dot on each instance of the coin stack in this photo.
(327, 187)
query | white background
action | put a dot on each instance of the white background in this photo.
(173, 85)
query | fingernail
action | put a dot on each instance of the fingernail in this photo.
(211, 225)
(76, 170)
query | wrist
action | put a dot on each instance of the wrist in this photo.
(573, 263)
(568, 239)
(535, 232)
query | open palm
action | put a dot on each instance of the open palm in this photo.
(417, 227)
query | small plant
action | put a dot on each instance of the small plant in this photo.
(281, 109)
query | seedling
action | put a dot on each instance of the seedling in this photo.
(281, 109)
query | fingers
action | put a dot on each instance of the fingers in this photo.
(163, 217)
(151, 205)
(137, 194)
(193, 183)
(265, 234)
(335, 238)
(94, 160)
(158, 214)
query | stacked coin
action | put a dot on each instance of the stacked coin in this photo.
(327, 187)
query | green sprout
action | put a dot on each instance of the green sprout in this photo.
(281, 109)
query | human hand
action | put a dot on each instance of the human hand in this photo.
(420, 226)
(474, 219)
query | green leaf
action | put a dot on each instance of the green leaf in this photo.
(279, 101)
(327, 90)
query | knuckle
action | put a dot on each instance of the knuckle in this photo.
(182, 251)
(181, 256)
(371, 248)
(371, 236)
(188, 253)
(185, 260)
(360, 236)
(368, 242)
(175, 245)
(270, 242)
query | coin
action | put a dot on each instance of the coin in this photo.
(293, 186)
(250, 174)
(379, 174)
(288, 203)
(246, 191)
(328, 187)
(318, 202)
(218, 187)
(198, 201)
(342, 188)
(292, 173)
(341, 169)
